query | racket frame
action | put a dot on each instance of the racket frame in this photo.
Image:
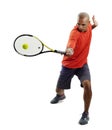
(41, 52)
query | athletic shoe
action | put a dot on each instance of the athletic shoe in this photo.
(57, 99)
(84, 119)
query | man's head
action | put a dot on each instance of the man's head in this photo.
(83, 21)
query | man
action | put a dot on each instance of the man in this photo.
(75, 63)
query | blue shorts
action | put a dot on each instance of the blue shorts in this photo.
(66, 75)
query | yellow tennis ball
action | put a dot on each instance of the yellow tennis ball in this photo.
(25, 46)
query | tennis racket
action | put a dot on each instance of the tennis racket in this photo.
(29, 45)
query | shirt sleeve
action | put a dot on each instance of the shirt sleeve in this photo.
(72, 39)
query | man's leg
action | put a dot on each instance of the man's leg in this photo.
(60, 91)
(63, 83)
(87, 99)
(87, 94)
(59, 96)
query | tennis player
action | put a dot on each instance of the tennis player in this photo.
(75, 63)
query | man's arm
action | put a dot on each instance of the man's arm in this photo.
(71, 43)
(95, 23)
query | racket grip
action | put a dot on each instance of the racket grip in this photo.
(60, 52)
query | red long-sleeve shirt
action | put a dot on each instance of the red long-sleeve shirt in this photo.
(80, 42)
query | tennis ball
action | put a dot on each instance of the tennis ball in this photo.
(25, 46)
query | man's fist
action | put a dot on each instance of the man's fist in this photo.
(69, 51)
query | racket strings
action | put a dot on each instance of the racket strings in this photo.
(28, 45)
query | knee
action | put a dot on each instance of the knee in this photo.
(86, 84)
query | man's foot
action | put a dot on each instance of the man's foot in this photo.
(84, 119)
(57, 98)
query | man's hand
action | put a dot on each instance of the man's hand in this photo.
(95, 23)
(69, 51)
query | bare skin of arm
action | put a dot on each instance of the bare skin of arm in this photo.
(95, 23)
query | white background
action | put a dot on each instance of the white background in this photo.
(28, 84)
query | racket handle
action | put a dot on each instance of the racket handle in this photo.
(60, 52)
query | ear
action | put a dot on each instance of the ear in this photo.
(88, 22)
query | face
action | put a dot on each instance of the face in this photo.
(83, 24)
